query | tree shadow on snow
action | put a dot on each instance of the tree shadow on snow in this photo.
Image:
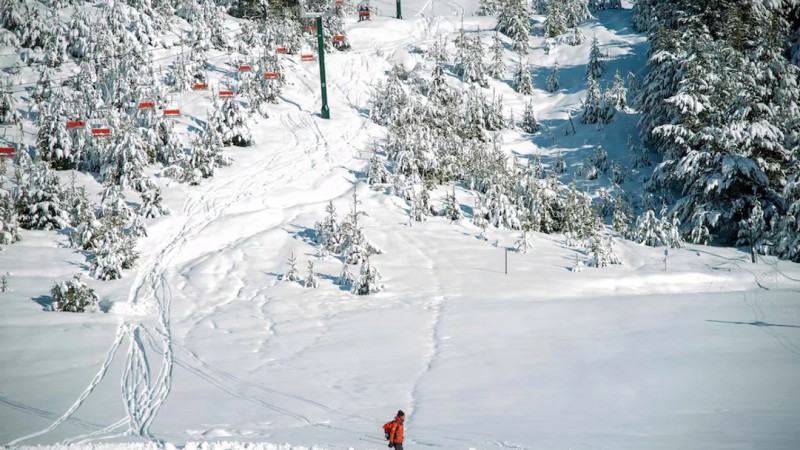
(45, 301)
(307, 235)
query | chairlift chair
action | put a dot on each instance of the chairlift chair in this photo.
(271, 75)
(338, 38)
(73, 124)
(173, 112)
(200, 86)
(245, 68)
(282, 50)
(8, 152)
(147, 105)
(226, 93)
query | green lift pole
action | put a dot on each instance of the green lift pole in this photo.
(326, 112)
(399, 14)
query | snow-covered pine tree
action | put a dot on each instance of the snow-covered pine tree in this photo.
(377, 173)
(522, 78)
(502, 213)
(523, 244)
(346, 278)
(328, 231)
(489, 7)
(497, 68)
(473, 69)
(151, 206)
(529, 122)
(619, 92)
(493, 119)
(591, 103)
(560, 166)
(620, 219)
(451, 208)
(74, 296)
(601, 252)
(236, 121)
(311, 279)
(649, 230)
(137, 227)
(368, 281)
(125, 160)
(38, 199)
(570, 128)
(555, 23)
(9, 223)
(554, 79)
(293, 274)
(514, 22)
(576, 37)
(9, 115)
(753, 230)
(597, 64)
(53, 142)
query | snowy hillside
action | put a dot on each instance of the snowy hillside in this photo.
(510, 299)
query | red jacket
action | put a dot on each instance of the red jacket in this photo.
(396, 436)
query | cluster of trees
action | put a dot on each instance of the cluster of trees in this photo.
(439, 134)
(111, 44)
(346, 240)
(719, 104)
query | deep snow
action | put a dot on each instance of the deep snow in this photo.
(202, 342)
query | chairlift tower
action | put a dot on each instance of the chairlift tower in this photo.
(318, 15)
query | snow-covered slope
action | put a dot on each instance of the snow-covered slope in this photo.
(481, 347)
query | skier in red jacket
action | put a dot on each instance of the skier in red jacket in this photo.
(396, 431)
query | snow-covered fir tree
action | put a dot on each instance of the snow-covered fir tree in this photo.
(38, 199)
(649, 230)
(74, 296)
(328, 231)
(601, 252)
(575, 36)
(9, 115)
(497, 68)
(292, 274)
(529, 122)
(554, 79)
(346, 277)
(619, 92)
(377, 173)
(451, 208)
(596, 66)
(523, 244)
(236, 121)
(555, 20)
(368, 281)
(151, 206)
(591, 102)
(473, 70)
(522, 78)
(514, 22)
(9, 223)
(311, 279)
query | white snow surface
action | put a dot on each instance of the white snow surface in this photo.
(201, 346)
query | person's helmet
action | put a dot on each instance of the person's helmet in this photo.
(400, 413)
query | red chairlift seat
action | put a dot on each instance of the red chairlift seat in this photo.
(147, 105)
(226, 93)
(282, 50)
(364, 14)
(172, 112)
(200, 87)
(270, 75)
(244, 68)
(306, 57)
(338, 37)
(101, 132)
(8, 152)
(339, 2)
(72, 124)
(311, 28)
